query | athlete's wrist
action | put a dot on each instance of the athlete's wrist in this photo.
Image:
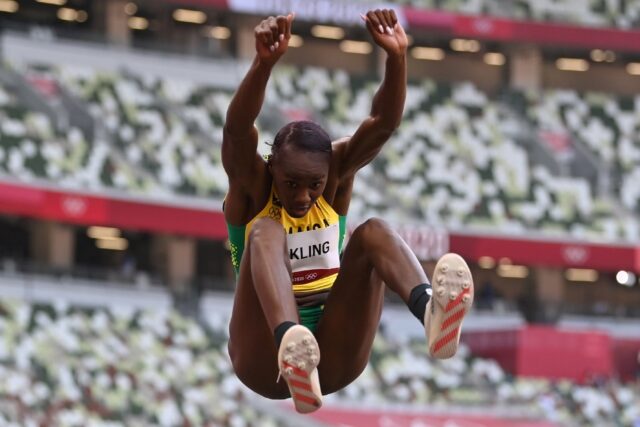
(264, 64)
(397, 56)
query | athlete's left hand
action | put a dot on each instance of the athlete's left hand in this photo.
(386, 31)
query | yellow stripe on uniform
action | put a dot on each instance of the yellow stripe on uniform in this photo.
(319, 285)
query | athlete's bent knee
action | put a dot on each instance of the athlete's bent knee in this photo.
(331, 384)
(267, 387)
(377, 225)
(264, 230)
(372, 228)
(267, 240)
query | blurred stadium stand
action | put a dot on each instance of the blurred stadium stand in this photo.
(520, 150)
(132, 360)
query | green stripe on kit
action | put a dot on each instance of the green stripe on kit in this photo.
(236, 244)
(310, 316)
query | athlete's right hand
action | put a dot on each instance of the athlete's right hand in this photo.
(272, 38)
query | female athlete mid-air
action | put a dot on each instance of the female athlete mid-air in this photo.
(306, 310)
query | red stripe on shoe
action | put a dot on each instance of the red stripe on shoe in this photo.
(305, 399)
(444, 340)
(455, 302)
(300, 384)
(299, 372)
(452, 319)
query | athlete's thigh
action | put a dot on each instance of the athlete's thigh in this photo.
(251, 344)
(350, 320)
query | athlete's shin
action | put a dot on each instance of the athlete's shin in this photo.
(392, 259)
(270, 272)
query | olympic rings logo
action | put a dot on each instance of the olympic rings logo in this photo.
(274, 213)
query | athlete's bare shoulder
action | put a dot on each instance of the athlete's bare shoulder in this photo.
(338, 189)
(340, 143)
(338, 148)
(243, 202)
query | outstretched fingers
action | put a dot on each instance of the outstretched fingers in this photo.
(281, 22)
(272, 37)
(386, 30)
(288, 22)
(374, 21)
(394, 19)
(388, 21)
(263, 34)
(382, 20)
(369, 23)
(275, 32)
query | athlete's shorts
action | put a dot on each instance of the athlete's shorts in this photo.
(310, 316)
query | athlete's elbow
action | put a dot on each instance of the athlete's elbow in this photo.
(388, 123)
(386, 128)
(231, 130)
(237, 133)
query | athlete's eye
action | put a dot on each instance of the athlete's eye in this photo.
(316, 185)
(291, 184)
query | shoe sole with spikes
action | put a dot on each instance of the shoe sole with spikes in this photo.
(298, 359)
(450, 302)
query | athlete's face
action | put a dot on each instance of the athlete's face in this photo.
(299, 177)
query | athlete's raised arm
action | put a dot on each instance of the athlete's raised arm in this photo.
(388, 102)
(240, 137)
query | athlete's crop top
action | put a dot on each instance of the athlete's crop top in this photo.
(314, 245)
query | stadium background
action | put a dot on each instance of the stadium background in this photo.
(520, 150)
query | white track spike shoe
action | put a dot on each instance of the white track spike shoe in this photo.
(450, 302)
(298, 358)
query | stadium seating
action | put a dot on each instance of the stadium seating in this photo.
(454, 162)
(459, 160)
(68, 366)
(399, 372)
(34, 147)
(150, 132)
(607, 125)
(104, 366)
(622, 14)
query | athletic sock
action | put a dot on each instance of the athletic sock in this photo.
(280, 330)
(418, 300)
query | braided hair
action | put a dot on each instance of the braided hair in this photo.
(304, 135)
